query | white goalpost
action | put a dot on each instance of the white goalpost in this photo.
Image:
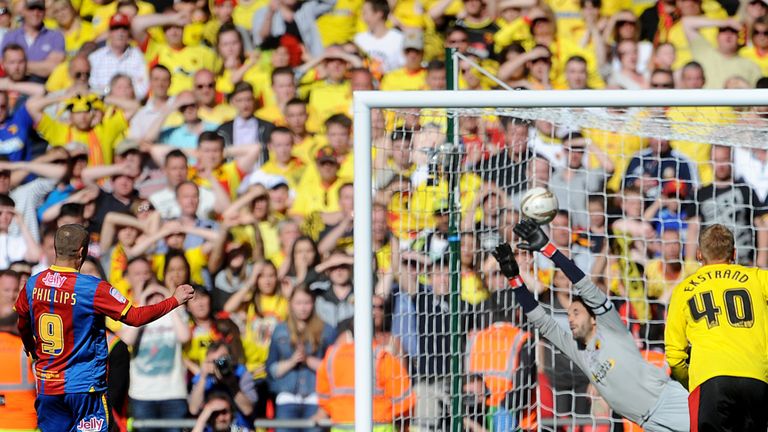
(520, 105)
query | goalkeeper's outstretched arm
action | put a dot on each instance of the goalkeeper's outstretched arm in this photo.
(534, 239)
(536, 314)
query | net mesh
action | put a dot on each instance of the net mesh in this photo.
(634, 186)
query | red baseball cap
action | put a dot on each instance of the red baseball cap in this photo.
(221, 2)
(119, 20)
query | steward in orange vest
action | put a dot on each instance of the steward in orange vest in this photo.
(17, 381)
(392, 396)
(503, 356)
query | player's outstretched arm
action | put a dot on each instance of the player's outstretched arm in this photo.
(534, 239)
(139, 316)
(548, 327)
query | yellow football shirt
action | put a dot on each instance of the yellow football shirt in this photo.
(292, 171)
(402, 79)
(242, 16)
(760, 59)
(100, 140)
(312, 196)
(59, 79)
(717, 325)
(183, 63)
(340, 25)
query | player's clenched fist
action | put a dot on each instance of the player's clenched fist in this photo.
(184, 293)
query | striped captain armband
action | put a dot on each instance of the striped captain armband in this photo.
(549, 250)
(516, 282)
(603, 308)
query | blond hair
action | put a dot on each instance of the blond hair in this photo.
(716, 243)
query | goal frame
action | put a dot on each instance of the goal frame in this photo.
(365, 101)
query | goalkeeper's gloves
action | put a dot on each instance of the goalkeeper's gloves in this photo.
(534, 238)
(506, 260)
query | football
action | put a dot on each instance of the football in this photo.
(539, 205)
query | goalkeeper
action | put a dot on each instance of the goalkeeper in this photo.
(600, 344)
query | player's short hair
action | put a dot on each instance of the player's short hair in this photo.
(579, 299)
(716, 243)
(69, 240)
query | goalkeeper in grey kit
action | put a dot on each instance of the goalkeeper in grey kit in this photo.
(599, 343)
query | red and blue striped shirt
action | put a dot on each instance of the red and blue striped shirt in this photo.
(64, 311)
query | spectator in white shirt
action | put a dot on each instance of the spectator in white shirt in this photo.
(159, 83)
(119, 57)
(14, 247)
(382, 44)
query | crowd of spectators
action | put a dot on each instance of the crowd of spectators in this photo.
(210, 143)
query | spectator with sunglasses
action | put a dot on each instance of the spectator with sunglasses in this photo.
(118, 56)
(759, 38)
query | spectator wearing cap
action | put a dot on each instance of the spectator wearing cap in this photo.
(479, 22)
(76, 30)
(412, 76)
(720, 62)
(320, 196)
(383, 45)
(759, 37)
(47, 48)
(245, 128)
(118, 56)
(183, 61)
(289, 19)
(212, 106)
(100, 138)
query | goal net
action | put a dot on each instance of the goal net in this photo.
(634, 186)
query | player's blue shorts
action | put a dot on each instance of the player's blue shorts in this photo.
(75, 412)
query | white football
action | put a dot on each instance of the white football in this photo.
(539, 205)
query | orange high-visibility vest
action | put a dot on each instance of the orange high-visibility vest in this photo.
(494, 354)
(392, 396)
(17, 385)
